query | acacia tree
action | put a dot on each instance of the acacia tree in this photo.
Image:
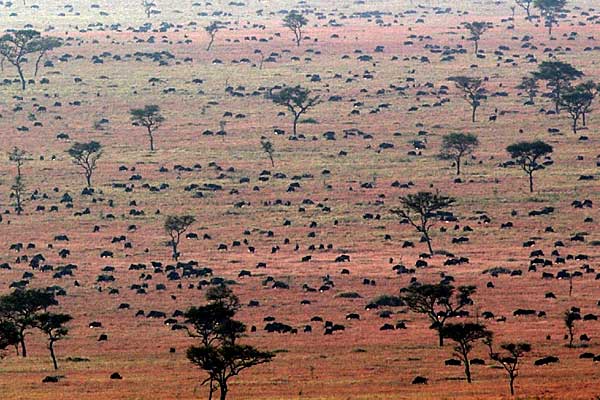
(53, 325)
(569, 319)
(473, 91)
(295, 22)
(43, 46)
(576, 101)
(548, 10)
(509, 359)
(465, 335)
(530, 86)
(21, 308)
(149, 7)
(18, 156)
(420, 210)
(148, 117)
(558, 76)
(219, 353)
(527, 154)
(175, 226)
(268, 148)
(212, 31)
(438, 302)
(297, 99)
(476, 29)
(525, 5)
(86, 155)
(17, 45)
(457, 145)
(591, 88)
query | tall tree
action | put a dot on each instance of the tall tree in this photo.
(527, 155)
(148, 117)
(53, 325)
(591, 88)
(268, 148)
(465, 335)
(212, 31)
(558, 76)
(295, 22)
(576, 100)
(476, 29)
(297, 99)
(219, 353)
(438, 302)
(530, 86)
(509, 359)
(473, 91)
(420, 210)
(525, 5)
(43, 46)
(549, 9)
(21, 309)
(457, 145)
(175, 226)
(86, 155)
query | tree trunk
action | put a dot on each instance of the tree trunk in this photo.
(583, 120)
(23, 347)
(428, 240)
(575, 125)
(51, 347)
(457, 165)
(296, 118)
(223, 388)
(175, 255)
(20, 71)
(151, 140)
(88, 178)
(531, 182)
(476, 47)
(473, 114)
(441, 337)
(37, 64)
(467, 369)
(512, 385)
(272, 162)
(212, 39)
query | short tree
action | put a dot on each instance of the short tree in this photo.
(219, 354)
(549, 9)
(530, 86)
(527, 155)
(268, 148)
(21, 308)
(295, 22)
(148, 117)
(18, 157)
(558, 76)
(420, 210)
(53, 325)
(473, 91)
(509, 359)
(576, 100)
(175, 226)
(297, 99)
(525, 5)
(569, 319)
(438, 302)
(212, 31)
(86, 155)
(149, 7)
(476, 29)
(465, 335)
(457, 145)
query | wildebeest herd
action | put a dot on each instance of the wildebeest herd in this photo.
(322, 200)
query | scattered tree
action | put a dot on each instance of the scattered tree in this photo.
(591, 88)
(43, 46)
(509, 359)
(569, 319)
(86, 155)
(297, 99)
(18, 156)
(476, 29)
(420, 210)
(212, 31)
(576, 100)
(457, 145)
(268, 148)
(558, 75)
(9, 335)
(148, 117)
(465, 335)
(175, 226)
(530, 86)
(525, 5)
(473, 91)
(295, 22)
(149, 8)
(527, 154)
(438, 302)
(549, 9)
(21, 309)
(53, 325)
(219, 354)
